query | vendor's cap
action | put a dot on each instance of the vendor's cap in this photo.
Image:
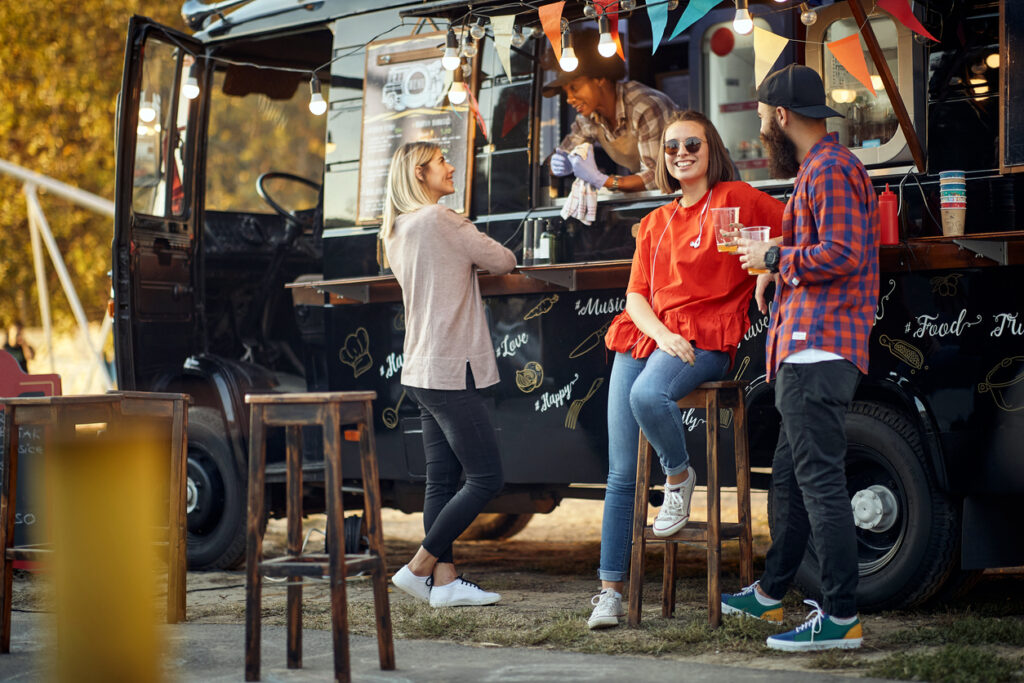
(592, 63)
(797, 88)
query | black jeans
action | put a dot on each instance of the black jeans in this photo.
(809, 482)
(457, 437)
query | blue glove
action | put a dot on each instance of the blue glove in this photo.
(587, 171)
(560, 165)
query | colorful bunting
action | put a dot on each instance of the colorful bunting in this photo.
(611, 8)
(767, 48)
(551, 21)
(504, 27)
(658, 14)
(692, 14)
(474, 107)
(850, 55)
(901, 11)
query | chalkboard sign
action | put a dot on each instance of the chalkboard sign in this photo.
(1012, 90)
(405, 99)
(30, 450)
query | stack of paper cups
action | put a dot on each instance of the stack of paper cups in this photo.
(952, 201)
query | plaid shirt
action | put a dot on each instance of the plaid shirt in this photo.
(828, 261)
(640, 110)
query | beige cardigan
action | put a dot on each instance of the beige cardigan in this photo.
(433, 252)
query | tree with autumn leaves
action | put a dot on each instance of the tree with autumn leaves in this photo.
(61, 63)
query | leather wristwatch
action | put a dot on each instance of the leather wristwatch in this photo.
(771, 258)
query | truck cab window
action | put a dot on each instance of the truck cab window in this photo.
(157, 187)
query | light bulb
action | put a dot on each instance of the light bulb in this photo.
(992, 61)
(469, 48)
(518, 39)
(589, 11)
(672, 4)
(191, 88)
(807, 15)
(568, 60)
(450, 60)
(477, 30)
(147, 112)
(843, 95)
(627, 5)
(743, 24)
(317, 105)
(876, 82)
(606, 44)
(457, 93)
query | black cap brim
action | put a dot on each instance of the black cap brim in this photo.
(818, 111)
(554, 87)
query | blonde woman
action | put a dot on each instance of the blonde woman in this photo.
(448, 354)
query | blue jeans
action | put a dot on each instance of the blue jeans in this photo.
(643, 393)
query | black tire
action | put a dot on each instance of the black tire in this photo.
(216, 495)
(495, 526)
(907, 564)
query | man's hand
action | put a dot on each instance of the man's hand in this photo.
(677, 346)
(762, 284)
(560, 164)
(587, 171)
(751, 252)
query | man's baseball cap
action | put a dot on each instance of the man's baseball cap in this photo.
(797, 88)
(592, 63)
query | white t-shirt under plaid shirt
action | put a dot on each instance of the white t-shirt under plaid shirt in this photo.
(639, 110)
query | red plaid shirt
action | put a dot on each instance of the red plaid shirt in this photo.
(828, 261)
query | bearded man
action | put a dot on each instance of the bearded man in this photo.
(826, 277)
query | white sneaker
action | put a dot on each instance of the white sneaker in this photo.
(675, 512)
(607, 609)
(416, 586)
(461, 593)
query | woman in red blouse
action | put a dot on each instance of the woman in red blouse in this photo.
(686, 312)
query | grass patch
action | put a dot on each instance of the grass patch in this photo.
(834, 659)
(951, 664)
(965, 630)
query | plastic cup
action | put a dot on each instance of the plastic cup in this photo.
(722, 219)
(757, 233)
(952, 174)
(953, 222)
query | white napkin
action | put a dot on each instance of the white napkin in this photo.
(582, 201)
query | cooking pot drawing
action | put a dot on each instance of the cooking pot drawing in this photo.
(1005, 382)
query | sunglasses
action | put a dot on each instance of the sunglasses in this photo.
(691, 145)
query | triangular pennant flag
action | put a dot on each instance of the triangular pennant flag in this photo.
(850, 54)
(901, 11)
(475, 108)
(551, 21)
(767, 48)
(504, 26)
(692, 14)
(611, 8)
(658, 14)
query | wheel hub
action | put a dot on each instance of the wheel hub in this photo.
(191, 496)
(874, 508)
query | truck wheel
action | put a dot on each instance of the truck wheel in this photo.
(495, 526)
(906, 527)
(215, 499)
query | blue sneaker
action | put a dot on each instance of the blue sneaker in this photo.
(745, 603)
(819, 632)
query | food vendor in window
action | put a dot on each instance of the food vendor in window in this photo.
(624, 117)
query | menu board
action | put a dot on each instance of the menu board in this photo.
(405, 99)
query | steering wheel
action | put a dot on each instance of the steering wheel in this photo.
(306, 221)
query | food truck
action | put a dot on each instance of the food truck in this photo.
(246, 257)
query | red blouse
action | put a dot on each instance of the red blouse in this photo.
(699, 293)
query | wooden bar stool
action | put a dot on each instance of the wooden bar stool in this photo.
(331, 411)
(61, 414)
(710, 397)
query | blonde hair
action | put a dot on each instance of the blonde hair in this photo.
(405, 192)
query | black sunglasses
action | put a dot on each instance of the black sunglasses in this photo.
(692, 145)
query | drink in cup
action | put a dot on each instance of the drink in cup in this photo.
(722, 219)
(758, 233)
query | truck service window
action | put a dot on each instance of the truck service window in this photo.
(157, 188)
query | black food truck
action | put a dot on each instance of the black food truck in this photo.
(246, 257)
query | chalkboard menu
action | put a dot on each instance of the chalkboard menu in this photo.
(1010, 61)
(30, 451)
(405, 100)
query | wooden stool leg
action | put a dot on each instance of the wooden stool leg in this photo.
(741, 454)
(641, 498)
(336, 532)
(176, 525)
(7, 502)
(371, 518)
(668, 580)
(294, 516)
(714, 542)
(254, 543)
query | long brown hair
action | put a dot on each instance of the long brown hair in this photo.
(719, 162)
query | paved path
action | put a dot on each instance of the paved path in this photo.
(214, 652)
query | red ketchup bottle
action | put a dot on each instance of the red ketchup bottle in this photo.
(887, 206)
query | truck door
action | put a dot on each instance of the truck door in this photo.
(154, 249)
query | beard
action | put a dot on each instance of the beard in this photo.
(781, 152)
